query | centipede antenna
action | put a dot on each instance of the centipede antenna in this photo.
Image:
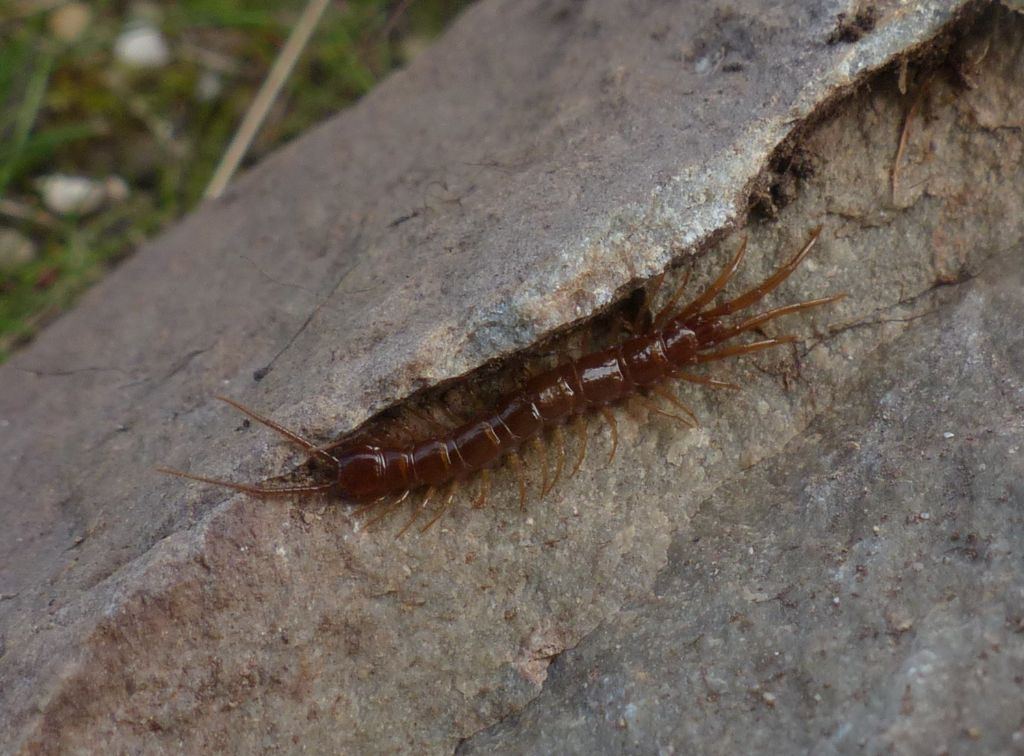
(758, 292)
(259, 491)
(739, 349)
(610, 417)
(289, 434)
(712, 291)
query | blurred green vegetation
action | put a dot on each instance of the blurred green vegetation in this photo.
(70, 106)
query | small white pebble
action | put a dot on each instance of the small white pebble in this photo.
(750, 550)
(209, 86)
(71, 195)
(875, 529)
(705, 64)
(768, 698)
(926, 516)
(835, 601)
(529, 521)
(948, 435)
(142, 46)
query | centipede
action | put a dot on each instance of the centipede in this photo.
(667, 345)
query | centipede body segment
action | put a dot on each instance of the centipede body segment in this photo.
(380, 476)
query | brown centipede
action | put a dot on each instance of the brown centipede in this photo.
(668, 345)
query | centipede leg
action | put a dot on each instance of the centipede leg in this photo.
(581, 431)
(609, 416)
(538, 443)
(665, 313)
(704, 380)
(712, 291)
(669, 397)
(517, 466)
(386, 510)
(452, 489)
(559, 438)
(417, 511)
(778, 312)
(739, 349)
(362, 509)
(485, 488)
(758, 292)
(652, 407)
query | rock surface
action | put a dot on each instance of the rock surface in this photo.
(722, 587)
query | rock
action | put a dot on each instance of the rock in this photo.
(529, 170)
(116, 189)
(209, 86)
(141, 45)
(15, 249)
(79, 195)
(68, 22)
(71, 195)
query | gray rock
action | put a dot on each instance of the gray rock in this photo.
(526, 172)
(859, 587)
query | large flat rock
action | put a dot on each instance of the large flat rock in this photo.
(769, 579)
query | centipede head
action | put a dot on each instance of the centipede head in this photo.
(363, 473)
